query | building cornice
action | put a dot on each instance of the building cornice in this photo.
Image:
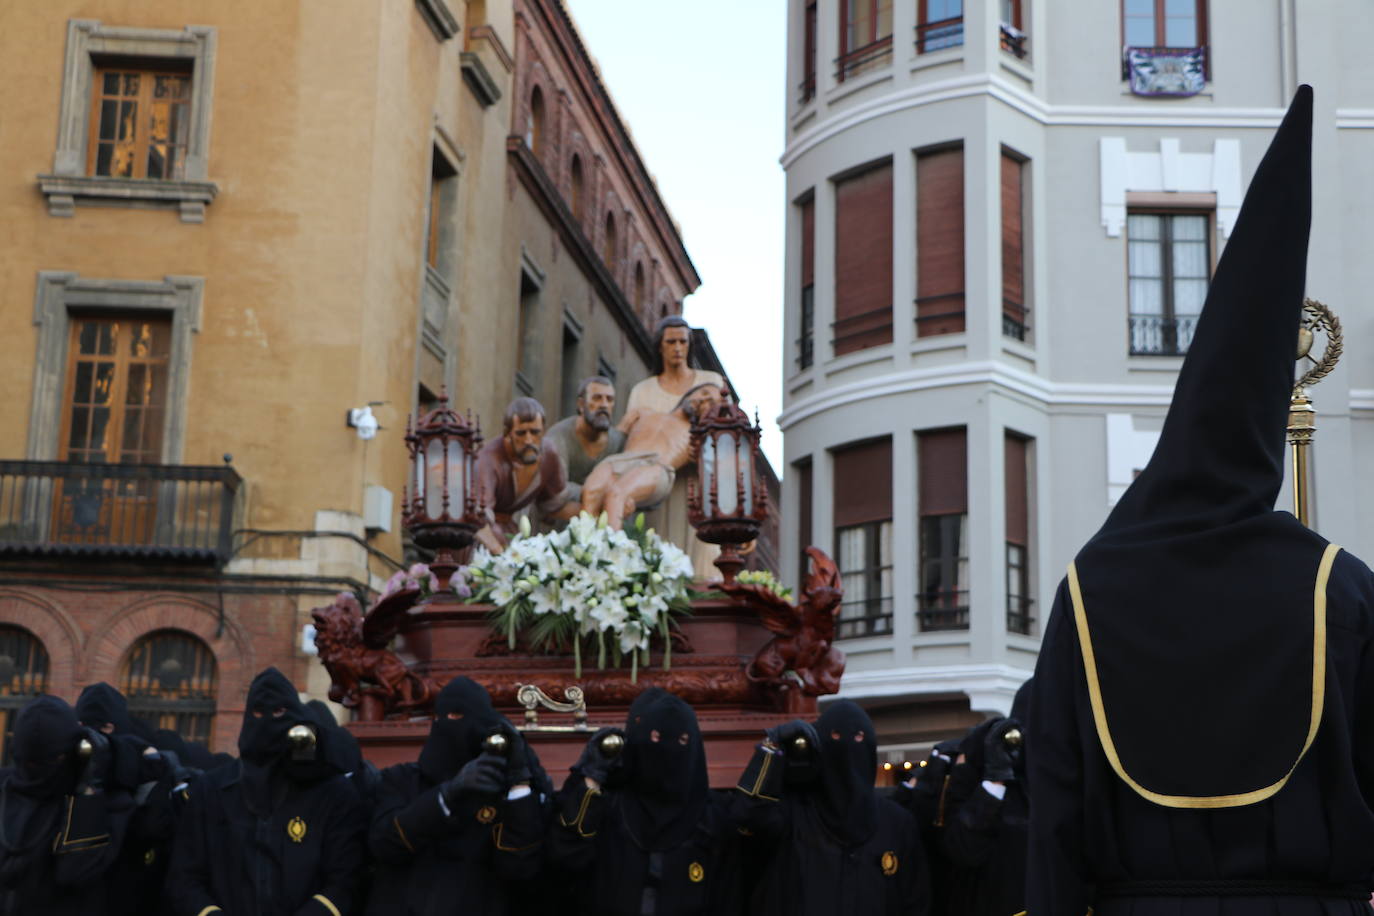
(1050, 394)
(989, 687)
(559, 26)
(541, 187)
(992, 85)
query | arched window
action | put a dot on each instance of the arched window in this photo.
(534, 135)
(169, 678)
(639, 287)
(23, 675)
(577, 187)
(608, 253)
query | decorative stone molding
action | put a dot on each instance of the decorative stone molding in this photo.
(479, 79)
(439, 18)
(58, 293)
(68, 182)
(1169, 170)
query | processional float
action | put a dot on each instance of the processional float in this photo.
(744, 656)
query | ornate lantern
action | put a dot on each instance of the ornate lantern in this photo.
(727, 501)
(441, 505)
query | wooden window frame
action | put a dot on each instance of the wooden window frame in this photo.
(1200, 13)
(942, 523)
(91, 44)
(1016, 315)
(1169, 313)
(875, 51)
(810, 24)
(929, 322)
(944, 28)
(877, 604)
(118, 400)
(143, 105)
(806, 330)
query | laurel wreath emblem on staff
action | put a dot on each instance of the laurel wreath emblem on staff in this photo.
(1316, 316)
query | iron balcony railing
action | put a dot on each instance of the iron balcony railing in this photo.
(1015, 320)
(1020, 614)
(868, 57)
(942, 33)
(865, 617)
(942, 610)
(158, 511)
(1161, 335)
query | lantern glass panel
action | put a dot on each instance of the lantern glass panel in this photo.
(457, 480)
(745, 450)
(434, 478)
(727, 484)
(418, 470)
(707, 473)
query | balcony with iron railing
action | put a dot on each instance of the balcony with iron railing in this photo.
(942, 610)
(1162, 335)
(871, 56)
(1015, 320)
(865, 617)
(179, 513)
(1020, 614)
(940, 34)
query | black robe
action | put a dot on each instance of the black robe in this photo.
(985, 846)
(304, 858)
(72, 844)
(830, 844)
(1089, 827)
(654, 840)
(593, 843)
(282, 833)
(61, 826)
(808, 871)
(468, 860)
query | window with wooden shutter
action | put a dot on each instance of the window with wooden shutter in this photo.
(863, 260)
(805, 533)
(808, 85)
(863, 536)
(806, 343)
(942, 458)
(1017, 495)
(1014, 311)
(940, 242)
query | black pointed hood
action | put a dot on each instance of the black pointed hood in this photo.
(463, 718)
(1220, 456)
(1194, 604)
(849, 768)
(44, 745)
(665, 769)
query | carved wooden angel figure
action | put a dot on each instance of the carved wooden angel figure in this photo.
(802, 654)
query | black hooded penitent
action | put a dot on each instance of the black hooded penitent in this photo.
(665, 764)
(453, 742)
(849, 764)
(1200, 609)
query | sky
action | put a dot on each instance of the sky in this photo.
(701, 88)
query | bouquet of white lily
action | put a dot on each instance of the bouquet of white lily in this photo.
(588, 582)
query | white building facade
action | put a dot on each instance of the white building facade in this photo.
(1002, 216)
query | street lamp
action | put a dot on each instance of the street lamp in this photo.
(727, 502)
(441, 503)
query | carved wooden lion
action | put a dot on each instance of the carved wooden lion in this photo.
(355, 668)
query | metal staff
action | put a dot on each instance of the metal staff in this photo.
(1302, 416)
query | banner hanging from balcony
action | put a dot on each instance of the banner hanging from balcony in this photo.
(1174, 72)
